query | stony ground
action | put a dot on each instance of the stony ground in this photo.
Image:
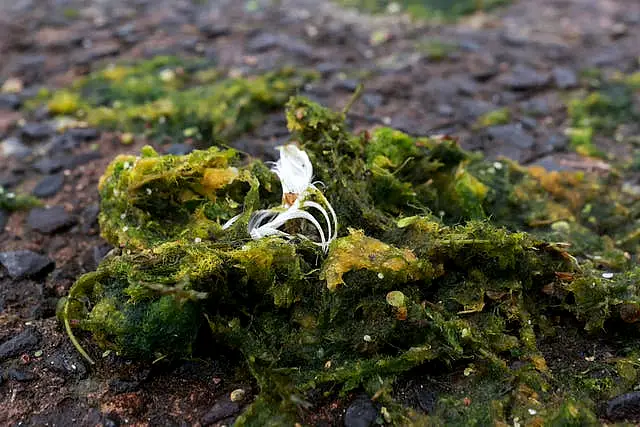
(526, 58)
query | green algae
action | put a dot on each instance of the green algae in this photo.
(443, 260)
(438, 10)
(175, 99)
(10, 201)
(601, 110)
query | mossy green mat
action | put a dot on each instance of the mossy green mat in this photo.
(442, 259)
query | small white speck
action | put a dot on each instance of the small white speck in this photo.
(497, 165)
(197, 240)
(590, 358)
(126, 165)
(532, 411)
(116, 192)
(162, 119)
(11, 195)
(367, 338)
(529, 322)
(123, 216)
(386, 120)
(125, 229)
(607, 275)
(149, 191)
(380, 276)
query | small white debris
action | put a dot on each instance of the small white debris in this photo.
(167, 75)
(394, 7)
(497, 165)
(607, 275)
(126, 165)
(386, 120)
(125, 229)
(367, 338)
(237, 395)
(532, 411)
(590, 358)
(380, 276)
(197, 240)
(149, 191)
(116, 193)
(123, 216)
(11, 195)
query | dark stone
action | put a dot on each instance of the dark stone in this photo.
(14, 147)
(44, 309)
(213, 31)
(119, 386)
(4, 218)
(624, 407)
(372, 100)
(84, 134)
(49, 165)
(536, 107)
(49, 220)
(263, 42)
(556, 142)
(90, 217)
(111, 420)
(510, 141)
(327, 68)
(445, 110)
(20, 375)
(550, 163)
(37, 131)
(219, 411)
(29, 67)
(523, 77)
(528, 123)
(60, 143)
(471, 109)
(99, 252)
(349, 85)
(607, 56)
(26, 340)
(565, 78)
(49, 185)
(361, 413)
(81, 159)
(24, 263)
(10, 101)
(513, 38)
(179, 149)
(66, 364)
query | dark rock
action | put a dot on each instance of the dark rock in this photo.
(66, 364)
(119, 386)
(555, 142)
(90, 217)
(372, 100)
(361, 413)
(220, 410)
(213, 31)
(483, 67)
(607, 56)
(513, 38)
(29, 67)
(26, 340)
(20, 375)
(550, 163)
(99, 252)
(624, 407)
(49, 165)
(471, 109)
(536, 107)
(263, 42)
(179, 149)
(274, 127)
(49, 185)
(49, 220)
(24, 263)
(523, 77)
(445, 110)
(4, 218)
(10, 101)
(111, 420)
(565, 78)
(14, 147)
(60, 143)
(469, 45)
(349, 85)
(328, 68)
(37, 131)
(44, 309)
(81, 159)
(84, 134)
(528, 123)
(507, 140)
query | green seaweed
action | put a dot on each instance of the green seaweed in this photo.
(175, 99)
(10, 201)
(439, 10)
(443, 261)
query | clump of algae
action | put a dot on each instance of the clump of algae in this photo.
(172, 98)
(442, 260)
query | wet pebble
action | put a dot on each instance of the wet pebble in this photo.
(14, 147)
(10, 101)
(219, 411)
(263, 42)
(564, 78)
(212, 30)
(427, 399)
(25, 341)
(49, 220)
(49, 165)
(507, 140)
(49, 185)
(81, 159)
(372, 100)
(361, 413)
(20, 375)
(179, 149)
(89, 217)
(37, 131)
(625, 407)
(523, 77)
(83, 134)
(24, 263)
